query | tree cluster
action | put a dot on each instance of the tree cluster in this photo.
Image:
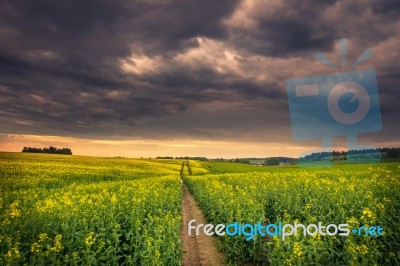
(51, 149)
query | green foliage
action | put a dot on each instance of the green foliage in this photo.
(272, 161)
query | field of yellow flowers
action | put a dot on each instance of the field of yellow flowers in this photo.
(73, 210)
(354, 194)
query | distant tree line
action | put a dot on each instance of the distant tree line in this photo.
(390, 152)
(192, 158)
(259, 161)
(342, 155)
(183, 158)
(241, 160)
(51, 149)
(313, 157)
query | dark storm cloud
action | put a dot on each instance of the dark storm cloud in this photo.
(62, 64)
(293, 28)
(60, 49)
(387, 8)
(92, 34)
(174, 25)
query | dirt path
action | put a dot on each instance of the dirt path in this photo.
(197, 250)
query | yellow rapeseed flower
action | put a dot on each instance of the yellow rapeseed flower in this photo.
(317, 238)
(351, 187)
(363, 249)
(352, 248)
(56, 248)
(35, 248)
(57, 244)
(89, 240)
(12, 254)
(58, 238)
(149, 241)
(367, 213)
(352, 221)
(297, 250)
(15, 213)
(15, 210)
(114, 198)
(42, 237)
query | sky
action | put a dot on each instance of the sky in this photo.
(150, 78)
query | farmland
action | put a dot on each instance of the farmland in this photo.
(354, 194)
(57, 209)
(72, 210)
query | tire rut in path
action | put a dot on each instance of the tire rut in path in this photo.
(197, 250)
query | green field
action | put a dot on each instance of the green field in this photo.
(75, 210)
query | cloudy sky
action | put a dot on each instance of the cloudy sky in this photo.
(162, 77)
